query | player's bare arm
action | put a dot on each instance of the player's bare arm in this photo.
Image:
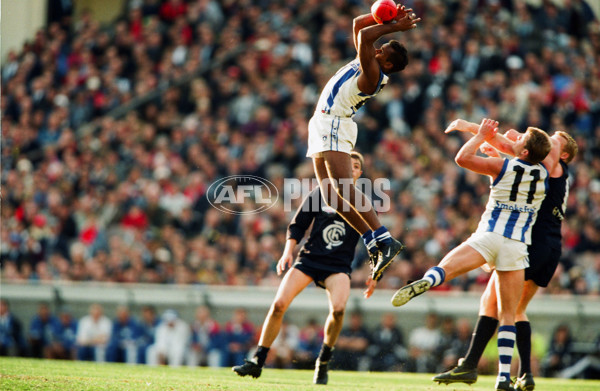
(366, 20)
(365, 40)
(505, 143)
(467, 156)
(285, 262)
(500, 142)
(359, 23)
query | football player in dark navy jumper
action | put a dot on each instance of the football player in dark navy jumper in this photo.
(326, 259)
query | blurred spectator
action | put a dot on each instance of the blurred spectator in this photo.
(12, 340)
(422, 344)
(146, 337)
(93, 335)
(351, 348)
(587, 367)
(387, 350)
(40, 330)
(560, 352)
(284, 346)
(125, 332)
(171, 342)
(62, 343)
(207, 340)
(454, 341)
(311, 339)
(238, 337)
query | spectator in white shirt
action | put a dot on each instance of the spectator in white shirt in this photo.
(171, 343)
(93, 334)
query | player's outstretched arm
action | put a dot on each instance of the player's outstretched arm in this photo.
(359, 23)
(467, 156)
(287, 257)
(553, 157)
(365, 40)
(404, 20)
(502, 143)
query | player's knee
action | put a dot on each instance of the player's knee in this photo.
(279, 308)
(338, 312)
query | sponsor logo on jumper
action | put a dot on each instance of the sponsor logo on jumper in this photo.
(523, 209)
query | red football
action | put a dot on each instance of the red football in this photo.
(383, 10)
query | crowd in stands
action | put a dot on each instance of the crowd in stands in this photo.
(92, 196)
(168, 339)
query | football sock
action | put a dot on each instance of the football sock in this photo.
(435, 275)
(261, 355)
(484, 330)
(382, 235)
(524, 346)
(324, 354)
(370, 242)
(506, 347)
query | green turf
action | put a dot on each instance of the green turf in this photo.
(31, 374)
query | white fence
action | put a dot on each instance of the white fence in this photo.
(582, 313)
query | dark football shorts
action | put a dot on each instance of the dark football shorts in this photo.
(543, 260)
(318, 275)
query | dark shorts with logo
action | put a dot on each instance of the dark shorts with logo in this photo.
(543, 260)
(318, 274)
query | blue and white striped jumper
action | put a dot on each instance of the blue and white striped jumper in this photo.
(515, 199)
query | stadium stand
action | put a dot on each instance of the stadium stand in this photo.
(111, 134)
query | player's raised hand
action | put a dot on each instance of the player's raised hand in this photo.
(284, 262)
(406, 18)
(454, 125)
(512, 134)
(488, 128)
(461, 125)
(371, 284)
(489, 150)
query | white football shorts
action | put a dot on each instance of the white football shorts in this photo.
(331, 133)
(500, 252)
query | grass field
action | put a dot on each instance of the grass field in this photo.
(31, 374)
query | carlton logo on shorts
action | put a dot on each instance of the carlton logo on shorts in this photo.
(242, 194)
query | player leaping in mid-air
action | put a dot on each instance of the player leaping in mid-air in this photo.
(332, 132)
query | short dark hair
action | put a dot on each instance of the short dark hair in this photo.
(399, 57)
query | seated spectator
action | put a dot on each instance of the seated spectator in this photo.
(93, 335)
(587, 367)
(40, 330)
(122, 346)
(351, 347)
(12, 341)
(456, 337)
(422, 343)
(238, 337)
(311, 339)
(560, 352)
(386, 350)
(284, 346)
(148, 324)
(207, 340)
(171, 343)
(62, 343)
